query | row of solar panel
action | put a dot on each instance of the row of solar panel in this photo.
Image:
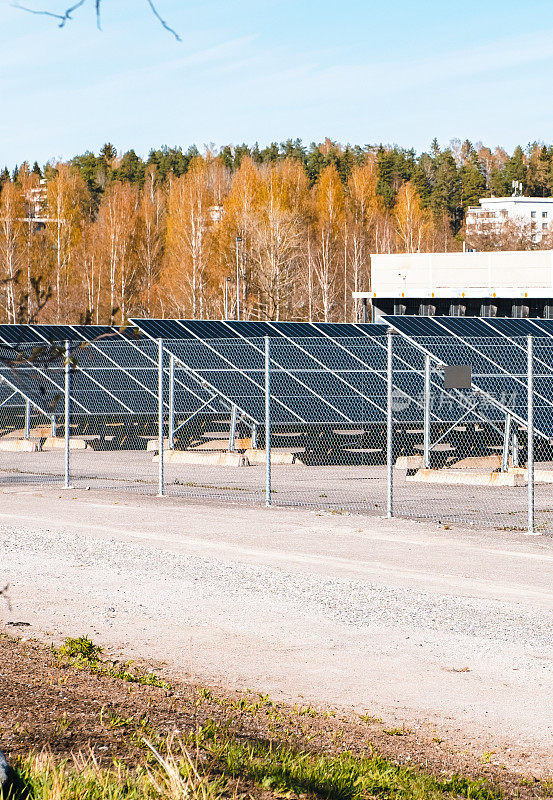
(320, 374)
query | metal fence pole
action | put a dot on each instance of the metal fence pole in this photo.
(67, 411)
(27, 419)
(426, 442)
(160, 491)
(389, 433)
(171, 402)
(267, 421)
(530, 461)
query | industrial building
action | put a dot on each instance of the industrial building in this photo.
(481, 284)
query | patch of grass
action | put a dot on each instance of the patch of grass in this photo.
(397, 731)
(370, 719)
(82, 653)
(342, 777)
(81, 648)
(164, 777)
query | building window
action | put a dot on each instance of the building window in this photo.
(533, 214)
(544, 226)
(544, 214)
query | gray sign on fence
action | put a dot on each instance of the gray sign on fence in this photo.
(457, 376)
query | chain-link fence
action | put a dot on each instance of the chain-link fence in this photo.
(433, 427)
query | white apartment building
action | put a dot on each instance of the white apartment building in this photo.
(533, 214)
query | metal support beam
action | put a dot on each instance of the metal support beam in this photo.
(53, 426)
(530, 462)
(506, 443)
(27, 419)
(515, 448)
(254, 436)
(389, 431)
(426, 442)
(232, 432)
(160, 375)
(267, 421)
(67, 405)
(171, 402)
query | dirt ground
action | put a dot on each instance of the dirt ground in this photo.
(45, 703)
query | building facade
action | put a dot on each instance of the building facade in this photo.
(516, 283)
(532, 215)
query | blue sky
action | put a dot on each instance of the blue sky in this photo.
(364, 72)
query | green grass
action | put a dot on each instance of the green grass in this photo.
(342, 777)
(170, 777)
(230, 767)
(82, 653)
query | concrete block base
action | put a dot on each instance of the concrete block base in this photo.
(540, 475)
(203, 458)
(492, 463)
(260, 457)
(19, 445)
(409, 462)
(58, 443)
(153, 445)
(458, 477)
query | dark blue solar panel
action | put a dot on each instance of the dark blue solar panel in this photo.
(512, 327)
(208, 329)
(463, 326)
(415, 326)
(162, 328)
(249, 329)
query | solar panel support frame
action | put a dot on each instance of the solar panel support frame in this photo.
(506, 443)
(389, 431)
(426, 442)
(232, 432)
(67, 413)
(160, 376)
(530, 455)
(27, 433)
(267, 421)
(171, 432)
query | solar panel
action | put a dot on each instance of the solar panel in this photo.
(498, 356)
(228, 329)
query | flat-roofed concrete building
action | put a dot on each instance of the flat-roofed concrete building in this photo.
(514, 283)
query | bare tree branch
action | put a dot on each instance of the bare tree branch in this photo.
(67, 15)
(62, 17)
(162, 21)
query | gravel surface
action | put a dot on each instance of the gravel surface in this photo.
(451, 630)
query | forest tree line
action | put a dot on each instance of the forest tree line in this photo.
(101, 238)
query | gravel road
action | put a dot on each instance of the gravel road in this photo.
(450, 630)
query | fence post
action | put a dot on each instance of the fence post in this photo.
(426, 441)
(267, 421)
(67, 411)
(530, 460)
(389, 433)
(171, 402)
(160, 491)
